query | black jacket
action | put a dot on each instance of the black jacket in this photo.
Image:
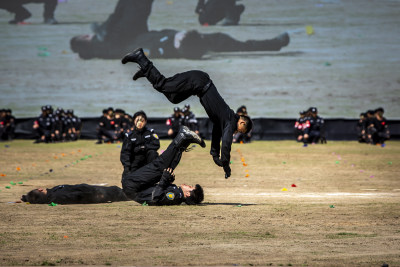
(143, 141)
(224, 121)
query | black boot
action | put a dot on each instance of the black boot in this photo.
(138, 57)
(185, 137)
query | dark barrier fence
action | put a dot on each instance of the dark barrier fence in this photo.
(264, 128)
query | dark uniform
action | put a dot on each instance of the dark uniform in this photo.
(314, 127)
(362, 128)
(150, 183)
(44, 126)
(378, 129)
(139, 148)
(183, 85)
(213, 11)
(189, 120)
(175, 122)
(106, 130)
(77, 194)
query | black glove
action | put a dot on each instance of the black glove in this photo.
(217, 161)
(168, 177)
(227, 171)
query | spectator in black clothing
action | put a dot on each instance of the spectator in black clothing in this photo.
(242, 137)
(314, 129)
(299, 126)
(183, 85)
(174, 122)
(75, 194)
(369, 121)
(189, 119)
(44, 126)
(140, 145)
(361, 128)
(213, 11)
(152, 184)
(106, 130)
(7, 124)
(378, 130)
(175, 44)
(21, 13)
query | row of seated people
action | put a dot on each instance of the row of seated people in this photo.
(56, 126)
(372, 127)
(310, 128)
(7, 125)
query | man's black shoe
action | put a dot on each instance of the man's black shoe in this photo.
(283, 38)
(191, 136)
(134, 56)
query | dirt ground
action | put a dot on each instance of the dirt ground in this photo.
(343, 211)
(350, 63)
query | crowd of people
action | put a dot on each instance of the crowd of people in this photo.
(7, 124)
(57, 125)
(372, 127)
(309, 128)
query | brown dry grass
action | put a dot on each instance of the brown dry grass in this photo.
(244, 220)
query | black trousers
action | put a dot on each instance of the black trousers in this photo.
(180, 86)
(143, 159)
(150, 174)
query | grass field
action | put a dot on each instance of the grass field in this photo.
(344, 210)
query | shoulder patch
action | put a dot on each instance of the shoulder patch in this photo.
(170, 195)
(151, 130)
(155, 136)
(133, 139)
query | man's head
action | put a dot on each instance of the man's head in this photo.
(244, 124)
(140, 120)
(193, 195)
(379, 111)
(36, 196)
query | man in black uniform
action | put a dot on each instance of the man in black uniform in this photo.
(176, 44)
(174, 122)
(75, 194)
(240, 137)
(299, 126)
(152, 184)
(21, 13)
(183, 85)
(213, 11)
(378, 130)
(314, 130)
(189, 119)
(44, 126)
(140, 145)
(361, 128)
(106, 129)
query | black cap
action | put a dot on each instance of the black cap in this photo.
(70, 111)
(140, 113)
(187, 106)
(43, 108)
(177, 109)
(380, 109)
(110, 109)
(118, 110)
(371, 112)
(313, 110)
(105, 111)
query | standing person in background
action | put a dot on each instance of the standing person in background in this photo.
(21, 13)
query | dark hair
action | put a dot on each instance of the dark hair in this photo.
(35, 197)
(249, 122)
(196, 196)
(140, 113)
